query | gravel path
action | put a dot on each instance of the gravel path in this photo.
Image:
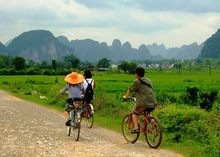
(30, 130)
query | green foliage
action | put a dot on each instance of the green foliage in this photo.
(5, 61)
(127, 67)
(192, 94)
(186, 123)
(164, 97)
(103, 63)
(19, 63)
(182, 123)
(207, 99)
(5, 82)
(71, 61)
(54, 64)
(211, 48)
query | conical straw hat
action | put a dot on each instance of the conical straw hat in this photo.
(74, 78)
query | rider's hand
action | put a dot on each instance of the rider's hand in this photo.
(125, 97)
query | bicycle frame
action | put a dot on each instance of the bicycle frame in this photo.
(142, 126)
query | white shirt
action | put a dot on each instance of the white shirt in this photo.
(85, 84)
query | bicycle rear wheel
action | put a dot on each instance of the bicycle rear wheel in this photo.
(89, 120)
(76, 129)
(89, 117)
(153, 133)
(127, 126)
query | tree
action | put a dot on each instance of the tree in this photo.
(123, 66)
(19, 63)
(132, 67)
(44, 64)
(72, 61)
(103, 63)
(5, 61)
(31, 63)
(54, 64)
(86, 65)
(128, 67)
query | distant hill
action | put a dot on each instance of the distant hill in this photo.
(38, 45)
(93, 51)
(211, 48)
(190, 51)
(3, 49)
(41, 45)
(158, 50)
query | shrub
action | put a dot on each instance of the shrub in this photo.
(165, 98)
(207, 99)
(5, 83)
(192, 94)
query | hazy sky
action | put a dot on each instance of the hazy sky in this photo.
(172, 22)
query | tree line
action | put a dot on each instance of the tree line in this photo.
(18, 65)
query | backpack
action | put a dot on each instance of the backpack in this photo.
(89, 92)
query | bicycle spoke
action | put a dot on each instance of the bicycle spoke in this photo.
(127, 126)
(154, 133)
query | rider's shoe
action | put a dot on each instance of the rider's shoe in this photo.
(135, 131)
(68, 123)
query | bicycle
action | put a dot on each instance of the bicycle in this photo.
(148, 125)
(89, 115)
(75, 117)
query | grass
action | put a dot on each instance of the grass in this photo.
(110, 108)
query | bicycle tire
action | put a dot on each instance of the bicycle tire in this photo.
(89, 120)
(76, 129)
(89, 117)
(126, 126)
(153, 133)
(68, 130)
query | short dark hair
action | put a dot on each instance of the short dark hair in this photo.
(87, 74)
(139, 71)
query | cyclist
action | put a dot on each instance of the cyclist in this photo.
(75, 92)
(89, 93)
(145, 98)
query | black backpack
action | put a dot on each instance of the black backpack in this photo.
(89, 92)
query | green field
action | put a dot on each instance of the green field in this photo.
(187, 128)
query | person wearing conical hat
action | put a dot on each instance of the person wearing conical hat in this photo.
(75, 90)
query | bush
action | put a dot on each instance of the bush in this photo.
(165, 98)
(192, 95)
(207, 99)
(189, 123)
(5, 83)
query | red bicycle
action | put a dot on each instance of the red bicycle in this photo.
(147, 124)
(88, 114)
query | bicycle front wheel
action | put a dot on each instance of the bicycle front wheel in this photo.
(127, 126)
(153, 133)
(68, 130)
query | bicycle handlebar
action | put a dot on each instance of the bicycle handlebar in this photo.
(130, 98)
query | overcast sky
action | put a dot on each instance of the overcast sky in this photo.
(172, 22)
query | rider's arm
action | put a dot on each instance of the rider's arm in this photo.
(62, 91)
(127, 94)
(134, 87)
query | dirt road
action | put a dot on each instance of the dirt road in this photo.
(27, 129)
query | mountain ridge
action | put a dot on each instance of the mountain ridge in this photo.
(42, 45)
